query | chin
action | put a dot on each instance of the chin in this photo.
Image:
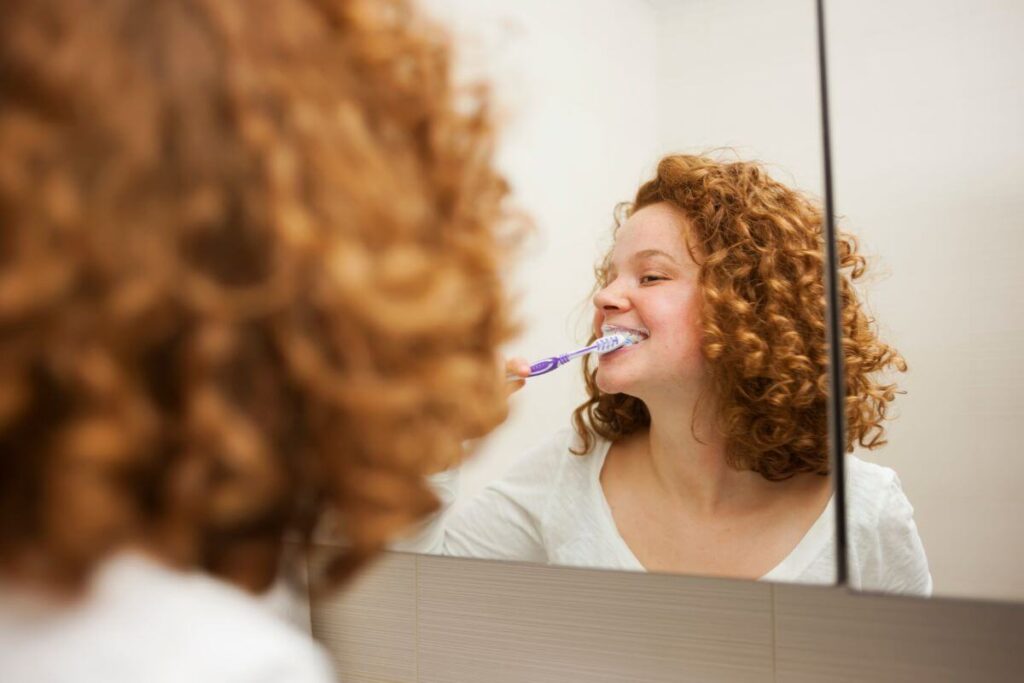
(608, 383)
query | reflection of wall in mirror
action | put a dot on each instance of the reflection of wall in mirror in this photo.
(929, 162)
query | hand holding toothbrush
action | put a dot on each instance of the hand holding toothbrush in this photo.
(516, 370)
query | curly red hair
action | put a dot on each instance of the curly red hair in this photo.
(759, 247)
(249, 278)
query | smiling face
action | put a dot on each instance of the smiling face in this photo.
(651, 289)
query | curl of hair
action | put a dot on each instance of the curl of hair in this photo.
(249, 279)
(759, 248)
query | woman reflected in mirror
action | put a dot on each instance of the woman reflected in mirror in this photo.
(703, 448)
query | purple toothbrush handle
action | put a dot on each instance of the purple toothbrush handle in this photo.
(547, 365)
(542, 367)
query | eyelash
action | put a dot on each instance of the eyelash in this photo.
(643, 279)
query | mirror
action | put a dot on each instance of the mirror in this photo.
(591, 96)
(928, 161)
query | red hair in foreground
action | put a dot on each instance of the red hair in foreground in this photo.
(249, 279)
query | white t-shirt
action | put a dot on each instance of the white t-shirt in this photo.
(550, 507)
(142, 621)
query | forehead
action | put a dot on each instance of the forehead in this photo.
(659, 227)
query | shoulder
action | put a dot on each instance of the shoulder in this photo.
(255, 642)
(562, 441)
(870, 488)
(549, 468)
(549, 457)
(884, 539)
(875, 500)
(144, 621)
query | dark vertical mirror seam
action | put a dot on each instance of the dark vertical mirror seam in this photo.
(833, 336)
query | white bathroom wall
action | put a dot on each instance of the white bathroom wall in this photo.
(928, 130)
(742, 75)
(578, 96)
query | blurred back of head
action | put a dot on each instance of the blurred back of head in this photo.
(249, 278)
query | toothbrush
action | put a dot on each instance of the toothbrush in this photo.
(605, 344)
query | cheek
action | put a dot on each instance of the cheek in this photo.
(680, 334)
(678, 320)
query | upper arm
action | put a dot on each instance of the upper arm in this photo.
(501, 522)
(506, 519)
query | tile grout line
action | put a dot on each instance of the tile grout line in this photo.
(774, 606)
(416, 619)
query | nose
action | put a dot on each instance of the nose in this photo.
(610, 298)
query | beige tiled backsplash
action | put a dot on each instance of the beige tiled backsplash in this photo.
(421, 619)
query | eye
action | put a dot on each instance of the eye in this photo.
(647, 279)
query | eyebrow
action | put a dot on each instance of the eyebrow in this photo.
(647, 253)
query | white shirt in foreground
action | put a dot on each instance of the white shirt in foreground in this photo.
(550, 507)
(142, 621)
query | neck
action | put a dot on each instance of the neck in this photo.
(687, 459)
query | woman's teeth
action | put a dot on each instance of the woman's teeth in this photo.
(634, 336)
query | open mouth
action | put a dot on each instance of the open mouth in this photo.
(635, 336)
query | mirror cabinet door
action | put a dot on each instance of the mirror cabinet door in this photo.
(928, 159)
(707, 437)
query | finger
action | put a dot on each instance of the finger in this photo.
(512, 386)
(518, 366)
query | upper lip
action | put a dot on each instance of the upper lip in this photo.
(612, 329)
